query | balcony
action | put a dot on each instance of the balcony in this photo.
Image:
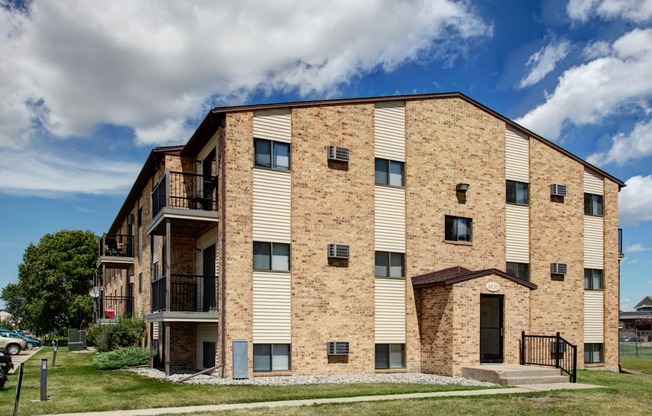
(192, 298)
(621, 255)
(112, 308)
(189, 200)
(116, 251)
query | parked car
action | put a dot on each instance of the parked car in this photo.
(6, 364)
(635, 339)
(31, 342)
(12, 344)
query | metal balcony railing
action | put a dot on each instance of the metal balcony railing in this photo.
(549, 350)
(117, 245)
(185, 191)
(116, 307)
(188, 293)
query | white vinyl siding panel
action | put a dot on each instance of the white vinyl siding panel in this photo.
(517, 219)
(390, 219)
(390, 311)
(207, 238)
(271, 309)
(271, 206)
(517, 156)
(593, 316)
(593, 242)
(389, 127)
(593, 184)
(273, 125)
(207, 331)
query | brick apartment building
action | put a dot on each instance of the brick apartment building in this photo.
(406, 233)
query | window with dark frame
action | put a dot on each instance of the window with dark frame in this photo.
(390, 264)
(271, 256)
(458, 229)
(271, 357)
(390, 356)
(140, 283)
(520, 270)
(517, 192)
(390, 172)
(593, 279)
(271, 154)
(593, 204)
(593, 353)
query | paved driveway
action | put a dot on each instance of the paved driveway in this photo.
(22, 357)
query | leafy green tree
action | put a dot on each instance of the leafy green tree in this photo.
(53, 282)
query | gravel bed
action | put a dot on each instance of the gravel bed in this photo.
(414, 378)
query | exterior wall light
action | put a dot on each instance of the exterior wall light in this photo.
(462, 187)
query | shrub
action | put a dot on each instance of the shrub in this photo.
(124, 333)
(121, 357)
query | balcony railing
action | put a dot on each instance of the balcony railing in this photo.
(188, 293)
(549, 350)
(117, 245)
(116, 307)
(185, 191)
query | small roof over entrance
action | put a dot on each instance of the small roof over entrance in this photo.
(458, 274)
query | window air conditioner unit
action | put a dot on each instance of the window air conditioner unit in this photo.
(558, 268)
(557, 347)
(338, 251)
(338, 348)
(557, 190)
(339, 154)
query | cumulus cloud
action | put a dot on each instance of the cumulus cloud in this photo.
(597, 49)
(635, 200)
(635, 10)
(627, 147)
(544, 61)
(586, 94)
(151, 65)
(636, 248)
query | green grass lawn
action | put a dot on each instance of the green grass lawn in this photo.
(77, 387)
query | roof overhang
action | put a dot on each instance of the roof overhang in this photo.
(459, 274)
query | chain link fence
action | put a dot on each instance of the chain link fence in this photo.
(635, 343)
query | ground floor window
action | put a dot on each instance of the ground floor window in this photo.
(593, 353)
(271, 357)
(390, 356)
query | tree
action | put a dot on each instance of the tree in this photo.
(53, 282)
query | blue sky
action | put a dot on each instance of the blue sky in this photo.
(88, 88)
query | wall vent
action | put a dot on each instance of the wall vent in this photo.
(558, 268)
(557, 190)
(338, 348)
(339, 154)
(338, 251)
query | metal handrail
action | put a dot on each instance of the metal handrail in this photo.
(551, 351)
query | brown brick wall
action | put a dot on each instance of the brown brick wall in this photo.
(183, 351)
(332, 205)
(436, 327)
(611, 275)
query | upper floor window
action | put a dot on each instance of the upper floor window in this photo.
(271, 154)
(520, 270)
(458, 228)
(390, 172)
(517, 192)
(390, 264)
(271, 256)
(593, 279)
(592, 204)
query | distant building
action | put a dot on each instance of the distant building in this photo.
(4, 315)
(643, 311)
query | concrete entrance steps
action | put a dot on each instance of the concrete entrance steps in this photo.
(514, 375)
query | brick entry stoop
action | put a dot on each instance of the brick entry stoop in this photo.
(514, 375)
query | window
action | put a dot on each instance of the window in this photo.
(390, 356)
(520, 270)
(592, 204)
(517, 192)
(593, 279)
(592, 353)
(389, 172)
(271, 256)
(271, 357)
(458, 228)
(271, 154)
(390, 264)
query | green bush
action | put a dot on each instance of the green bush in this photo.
(122, 357)
(124, 333)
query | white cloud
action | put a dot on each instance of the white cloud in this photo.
(597, 49)
(544, 61)
(150, 65)
(635, 10)
(635, 200)
(636, 248)
(588, 93)
(627, 147)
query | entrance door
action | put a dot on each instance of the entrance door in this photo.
(491, 329)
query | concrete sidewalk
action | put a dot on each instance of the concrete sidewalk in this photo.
(309, 402)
